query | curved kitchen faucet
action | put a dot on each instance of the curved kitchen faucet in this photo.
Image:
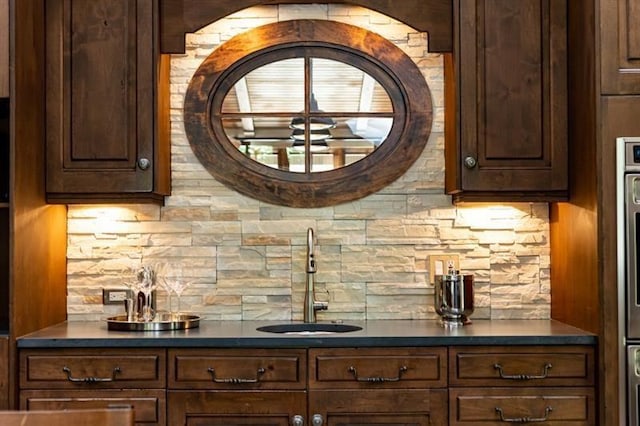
(310, 304)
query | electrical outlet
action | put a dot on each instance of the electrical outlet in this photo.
(439, 264)
(114, 296)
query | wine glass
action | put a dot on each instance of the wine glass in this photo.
(129, 276)
(146, 278)
(173, 279)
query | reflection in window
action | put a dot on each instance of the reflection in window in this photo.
(307, 115)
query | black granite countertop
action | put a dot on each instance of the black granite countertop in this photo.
(243, 334)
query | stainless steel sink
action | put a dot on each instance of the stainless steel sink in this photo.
(309, 328)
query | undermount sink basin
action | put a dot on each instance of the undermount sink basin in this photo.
(309, 328)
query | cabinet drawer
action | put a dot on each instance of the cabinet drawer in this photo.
(378, 367)
(95, 368)
(237, 369)
(522, 366)
(149, 405)
(379, 407)
(551, 406)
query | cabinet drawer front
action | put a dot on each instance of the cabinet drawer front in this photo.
(522, 366)
(549, 406)
(232, 408)
(380, 406)
(149, 405)
(237, 369)
(374, 368)
(90, 369)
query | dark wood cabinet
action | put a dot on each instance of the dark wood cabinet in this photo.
(620, 41)
(107, 135)
(506, 101)
(419, 407)
(496, 385)
(223, 408)
(94, 378)
(32, 233)
(236, 386)
(385, 386)
(420, 386)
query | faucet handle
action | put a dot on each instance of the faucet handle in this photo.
(320, 306)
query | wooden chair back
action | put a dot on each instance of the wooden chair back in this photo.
(97, 417)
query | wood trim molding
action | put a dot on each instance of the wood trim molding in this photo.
(178, 17)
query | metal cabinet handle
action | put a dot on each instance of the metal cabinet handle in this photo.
(90, 379)
(470, 162)
(297, 420)
(524, 419)
(545, 373)
(144, 163)
(353, 371)
(235, 380)
(317, 420)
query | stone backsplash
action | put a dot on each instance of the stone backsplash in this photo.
(247, 258)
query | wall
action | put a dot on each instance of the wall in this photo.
(247, 258)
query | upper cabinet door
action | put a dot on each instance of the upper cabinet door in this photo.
(103, 137)
(508, 140)
(4, 48)
(620, 40)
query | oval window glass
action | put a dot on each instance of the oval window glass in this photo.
(345, 118)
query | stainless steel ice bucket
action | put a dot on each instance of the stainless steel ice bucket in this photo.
(454, 298)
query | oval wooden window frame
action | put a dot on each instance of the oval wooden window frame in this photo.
(410, 132)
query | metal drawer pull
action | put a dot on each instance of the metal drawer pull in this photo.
(236, 380)
(545, 373)
(90, 379)
(353, 371)
(525, 419)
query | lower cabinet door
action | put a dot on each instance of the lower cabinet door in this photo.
(149, 405)
(498, 406)
(231, 408)
(415, 407)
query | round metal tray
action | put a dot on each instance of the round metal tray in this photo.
(163, 321)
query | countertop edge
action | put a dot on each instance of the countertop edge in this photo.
(379, 333)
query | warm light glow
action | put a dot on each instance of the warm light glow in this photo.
(492, 216)
(107, 218)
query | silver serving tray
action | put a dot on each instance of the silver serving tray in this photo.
(163, 321)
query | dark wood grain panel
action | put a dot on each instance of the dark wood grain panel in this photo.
(149, 405)
(37, 231)
(512, 92)
(237, 369)
(105, 100)
(4, 372)
(184, 16)
(633, 26)
(71, 369)
(416, 407)
(620, 41)
(4, 269)
(226, 408)
(4, 48)
(377, 368)
(522, 366)
(506, 108)
(550, 406)
(101, 46)
(111, 417)
(619, 115)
